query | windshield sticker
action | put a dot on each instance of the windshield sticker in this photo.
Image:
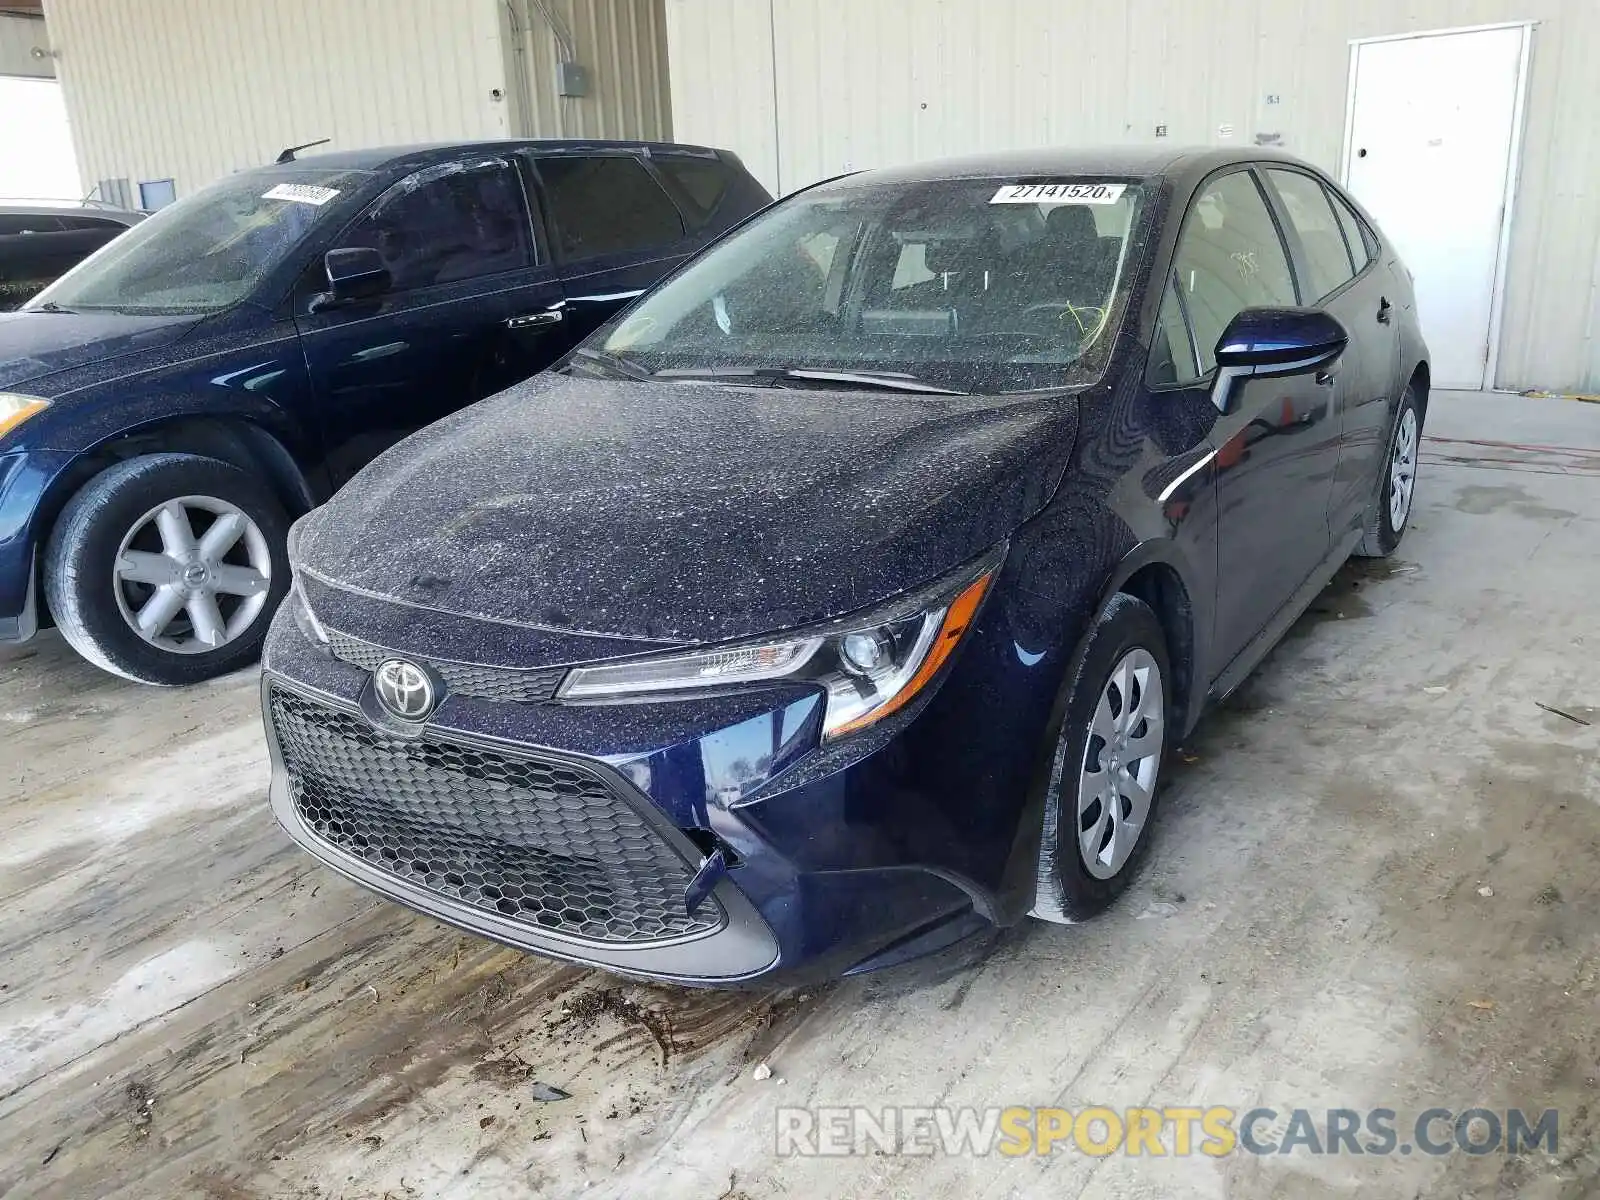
(1059, 193)
(301, 193)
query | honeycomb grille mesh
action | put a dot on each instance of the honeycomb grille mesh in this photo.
(542, 843)
(467, 679)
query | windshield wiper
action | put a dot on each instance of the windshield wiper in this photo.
(893, 381)
(49, 306)
(716, 375)
(614, 363)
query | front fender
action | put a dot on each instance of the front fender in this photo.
(26, 479)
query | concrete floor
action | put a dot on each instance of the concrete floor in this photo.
(189, 1007)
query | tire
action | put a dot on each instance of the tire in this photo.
(111, 562)
(1075, 883)
(1387, 523)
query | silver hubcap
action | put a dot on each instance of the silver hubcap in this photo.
(1120, 762)
(192, 574)
(1402, 469)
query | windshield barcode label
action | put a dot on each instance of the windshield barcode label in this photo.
(1059, 193)
(301, 193)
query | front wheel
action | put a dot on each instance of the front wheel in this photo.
(166, 569)
(1105, 776)
(1396, 489)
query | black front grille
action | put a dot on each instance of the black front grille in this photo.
(545, 843)
(531, 685)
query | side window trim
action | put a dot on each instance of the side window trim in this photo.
(532, 215)
(1198, 378)
(1188, 327)
(1340, 204)
(1344, 235)
(1288, 235)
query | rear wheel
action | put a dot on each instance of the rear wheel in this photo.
(1391, 510)
(167, 569)
(1106, 773)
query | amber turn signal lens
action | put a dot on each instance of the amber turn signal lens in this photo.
(957, 620)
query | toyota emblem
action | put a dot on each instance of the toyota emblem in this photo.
(404, 689)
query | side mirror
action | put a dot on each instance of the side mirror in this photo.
(1275, 341)
(355, 273)
(1281, 341)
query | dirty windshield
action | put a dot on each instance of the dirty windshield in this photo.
(207, 251)
(965, 285)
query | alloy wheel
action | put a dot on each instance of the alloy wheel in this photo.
(1402, 469)
(1121, 760)
(192, 574)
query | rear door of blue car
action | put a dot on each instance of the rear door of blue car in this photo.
(618, 222)
(474, 306)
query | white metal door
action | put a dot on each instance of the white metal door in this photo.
(1433, 136)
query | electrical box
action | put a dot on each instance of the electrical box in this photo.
(572, 79)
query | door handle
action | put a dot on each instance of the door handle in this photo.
(550, 316)
(1384, 308)
(1325, 378)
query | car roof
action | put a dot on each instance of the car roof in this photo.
(52, 208)
(411, 158)
(1179, 163)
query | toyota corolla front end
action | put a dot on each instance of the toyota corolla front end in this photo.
(702, 815)
(735, 645)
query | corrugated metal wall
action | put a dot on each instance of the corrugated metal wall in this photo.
(623, 45)
(193, 89)
(19, 37)
(859, 83)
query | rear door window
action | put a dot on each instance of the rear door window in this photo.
(607, 204)
(1230, 257)
(447, 224)
(1311, 214)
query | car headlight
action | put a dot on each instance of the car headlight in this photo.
(305, 620)
(299, 605)
(870, 665)
(16, 408)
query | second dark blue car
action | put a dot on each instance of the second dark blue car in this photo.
(846, 594)
(170, 404)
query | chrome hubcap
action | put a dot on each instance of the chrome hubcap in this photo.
(1402, 469)
(192, 574)
(1121, 760)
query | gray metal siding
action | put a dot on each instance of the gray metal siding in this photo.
(194, 89)
(804, 89)
(622, 43)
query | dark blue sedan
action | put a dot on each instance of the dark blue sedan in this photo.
(168, 406)
(846, 595)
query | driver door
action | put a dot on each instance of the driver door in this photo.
(1276, 448)
(473, 307)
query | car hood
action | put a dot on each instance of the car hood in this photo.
(34, 344)
(687, 512)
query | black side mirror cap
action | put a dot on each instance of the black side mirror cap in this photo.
(1275, 341)
(355, 273)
